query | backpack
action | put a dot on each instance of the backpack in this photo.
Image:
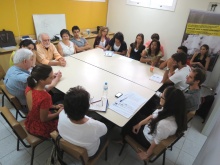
(205, 106)
(7, 38)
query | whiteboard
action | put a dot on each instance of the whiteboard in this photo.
(51, 24)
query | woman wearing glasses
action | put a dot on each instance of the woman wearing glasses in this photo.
(164, 122)
(102, 40)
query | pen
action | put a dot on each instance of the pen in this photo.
(123, 99)
(96, 101)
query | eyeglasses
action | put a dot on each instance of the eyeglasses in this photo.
(162, 97)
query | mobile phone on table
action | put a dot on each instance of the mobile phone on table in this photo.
(118, 95)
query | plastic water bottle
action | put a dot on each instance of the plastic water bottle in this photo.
(105, 90)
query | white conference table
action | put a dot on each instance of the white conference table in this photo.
(122, 66)
(92, 79)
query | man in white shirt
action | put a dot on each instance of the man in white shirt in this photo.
(177, 76)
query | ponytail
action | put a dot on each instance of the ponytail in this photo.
(39, 72)
(31, 82)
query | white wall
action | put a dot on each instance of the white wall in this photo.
(209, 153)
(131, 20)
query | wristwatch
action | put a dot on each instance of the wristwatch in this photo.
(168, 69)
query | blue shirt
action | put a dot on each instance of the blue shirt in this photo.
(16, 82)
(80, 43)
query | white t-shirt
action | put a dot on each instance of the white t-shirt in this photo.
(102, 43)
(164, 129)
(179, 77)
(85, 135)
(116, 48)
(67, 50)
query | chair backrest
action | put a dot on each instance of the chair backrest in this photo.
(13, 99)
(159, 149)
(190, 115)
(13, 123)
(73, 150)
(2, 73)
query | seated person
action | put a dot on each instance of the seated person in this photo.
(155, 36)
(80, 43)
(177, 76)
(169, 120)
(152, 54)
(193, 93)
(179, 49)
(16, 76)
(117, 44)
(65, 47)
(40, 121)
(202, 58)
(77, 128)
(28, 44)
(47, 52)
(136, 47)
(102, 39)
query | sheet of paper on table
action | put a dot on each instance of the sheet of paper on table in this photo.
(128, 104)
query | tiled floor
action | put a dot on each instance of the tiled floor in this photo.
(183, 153)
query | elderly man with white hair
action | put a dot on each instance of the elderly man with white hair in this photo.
(16, 76)
(47, 52)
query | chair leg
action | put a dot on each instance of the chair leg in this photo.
(16, 116)
(2, 100)
(106, 153)
(32, 155)
(122, 148)
(18, 144)
(164, 156)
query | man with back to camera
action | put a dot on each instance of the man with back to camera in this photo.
(179, 50)
(16, 76)
(80, 42)
(177, 77)
(47, 52)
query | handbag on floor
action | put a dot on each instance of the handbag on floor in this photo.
(56, 155)
(7, 38)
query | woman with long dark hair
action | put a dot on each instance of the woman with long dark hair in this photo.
(152, 54)
(117, 44)
(40, 121)
(136, 47)
(170, 120)
(201, 59)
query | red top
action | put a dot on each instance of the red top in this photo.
(40, 100)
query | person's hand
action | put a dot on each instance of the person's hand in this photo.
(62, 62)
(136, 128)
(58, 106)
(60, 110)
(56, 79)
(58, 75)
(142, 155)
(199, 63)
